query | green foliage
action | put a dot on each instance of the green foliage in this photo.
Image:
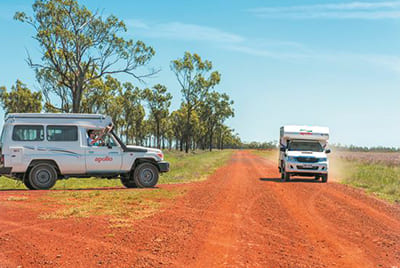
(215, 109)
(20, 99)
(259, 145)
(195, 79)
(158, 100)
(355, 148)
(79, 46)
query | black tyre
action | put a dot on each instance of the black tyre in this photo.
(316, 178)
(28, 184)
(287, 176)
(145, 175)
(128, 182)
(324, 178)
(42, 176)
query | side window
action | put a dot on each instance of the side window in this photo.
(62, 133)
(109, 140)
(28, 133)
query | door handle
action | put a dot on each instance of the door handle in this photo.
(113, 153)
(90, 152)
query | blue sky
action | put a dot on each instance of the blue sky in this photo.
(329, 63)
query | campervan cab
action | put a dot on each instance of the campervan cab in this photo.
(303, 152)
(38, 149)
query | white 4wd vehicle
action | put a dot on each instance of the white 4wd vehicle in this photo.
(303, 152)
(39, 149)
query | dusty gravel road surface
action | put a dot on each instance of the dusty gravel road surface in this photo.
(242, 216)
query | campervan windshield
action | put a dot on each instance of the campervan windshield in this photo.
(305, 146)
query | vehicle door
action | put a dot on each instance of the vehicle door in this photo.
(105, 158)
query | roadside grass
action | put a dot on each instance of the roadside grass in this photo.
(374, 173)
(377, 178)
(17, 198)
(194, 166)
(121, 207)
(270, 154)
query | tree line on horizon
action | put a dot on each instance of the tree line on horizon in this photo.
(81, 54)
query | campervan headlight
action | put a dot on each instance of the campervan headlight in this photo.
(291, 159)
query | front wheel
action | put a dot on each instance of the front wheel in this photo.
(28, 184)
(128, 182)
(42, 177)
(145, 175)
(325, 178)
(287, 176)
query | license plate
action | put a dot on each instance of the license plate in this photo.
(307, 166)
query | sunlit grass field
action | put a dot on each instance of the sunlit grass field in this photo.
(194, 166)
(377, 173)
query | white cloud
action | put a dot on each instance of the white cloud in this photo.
(187, 32)
(222, 39)
(352, 10)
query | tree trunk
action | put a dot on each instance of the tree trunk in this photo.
(211, 139)
(158, 134)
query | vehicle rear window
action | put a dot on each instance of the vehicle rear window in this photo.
(62, 133)
(28, 133)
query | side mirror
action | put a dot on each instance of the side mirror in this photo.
(109, 146)
(327, 151)
(283, 149)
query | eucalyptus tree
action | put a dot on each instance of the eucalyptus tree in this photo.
(133, 112)
(158, 101)
(20, 99)
(215, 109)
(79, 46)
(196, 78)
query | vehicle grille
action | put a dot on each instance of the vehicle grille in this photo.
(307, 168)
(307, 159)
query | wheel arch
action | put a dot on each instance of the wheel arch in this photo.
(144, 160)
(40, 161)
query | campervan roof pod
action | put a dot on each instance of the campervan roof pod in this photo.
(304, 133)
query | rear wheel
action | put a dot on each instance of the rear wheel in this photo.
(43, 176)
(316, 177)
(325, 178)
(145, 175)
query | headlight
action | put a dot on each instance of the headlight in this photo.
(323, 159)
(291, 159)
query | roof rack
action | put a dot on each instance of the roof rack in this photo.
(55, 116)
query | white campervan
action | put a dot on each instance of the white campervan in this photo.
(303, 152)
(39, 149)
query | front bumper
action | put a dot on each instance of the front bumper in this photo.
(5, 170)
(306, 168)
(163, 166)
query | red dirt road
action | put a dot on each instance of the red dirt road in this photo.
(242, 216)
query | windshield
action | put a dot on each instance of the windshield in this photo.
(305, 146)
